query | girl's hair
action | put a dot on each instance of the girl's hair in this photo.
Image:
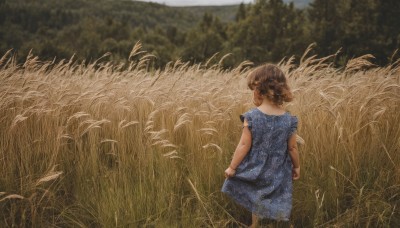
(270, 81)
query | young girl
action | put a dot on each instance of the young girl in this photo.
(266, 160)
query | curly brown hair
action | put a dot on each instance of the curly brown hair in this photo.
(270, 81)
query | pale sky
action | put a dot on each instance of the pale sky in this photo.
(197, 2)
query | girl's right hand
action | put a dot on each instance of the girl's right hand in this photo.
(296, 173)
(229, 172)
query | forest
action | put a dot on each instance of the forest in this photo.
(264, 31)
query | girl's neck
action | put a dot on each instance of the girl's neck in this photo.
(271, 108)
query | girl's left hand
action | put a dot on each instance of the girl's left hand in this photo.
(229, 172)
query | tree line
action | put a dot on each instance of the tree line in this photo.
(264, 31)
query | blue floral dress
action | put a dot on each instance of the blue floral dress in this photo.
(263, 180)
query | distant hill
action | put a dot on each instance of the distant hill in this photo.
(299, 3)
(227, 12)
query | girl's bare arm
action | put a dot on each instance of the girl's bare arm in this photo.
(241, 150)
(294, 155)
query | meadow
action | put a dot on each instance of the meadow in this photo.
(106, 145)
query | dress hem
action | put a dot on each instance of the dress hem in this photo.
(237, 200)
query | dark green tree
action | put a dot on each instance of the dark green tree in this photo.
(270, 31)
(358, 27)
(325, 25)
(241, 13)
(205, 40)
(388, 29)
(157, 43)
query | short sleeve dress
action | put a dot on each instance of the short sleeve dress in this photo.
(263, 180)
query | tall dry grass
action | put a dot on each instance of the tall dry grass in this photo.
(88, 145)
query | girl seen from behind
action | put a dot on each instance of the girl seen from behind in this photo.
(266, 159)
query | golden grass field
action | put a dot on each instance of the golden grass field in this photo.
(105, 145)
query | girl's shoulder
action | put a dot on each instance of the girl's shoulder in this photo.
(255, 113)
(292, 117)
(293, 122)
(249, 115)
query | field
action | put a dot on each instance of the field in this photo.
(103, 145)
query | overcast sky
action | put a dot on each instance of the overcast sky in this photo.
(197, 2)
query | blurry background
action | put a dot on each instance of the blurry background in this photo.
(119, 144)
(198, 2)
(259, 31)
